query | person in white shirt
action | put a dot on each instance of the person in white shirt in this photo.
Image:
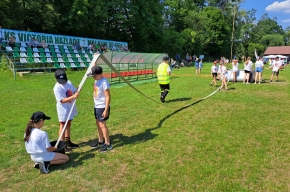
(38, 146)
(65, 94)
(224, 75)
(259, 69)
(275, 68)
(102, 100)
(247, 69)
(214, 71)
(235, 69)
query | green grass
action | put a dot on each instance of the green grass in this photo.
(235, 140)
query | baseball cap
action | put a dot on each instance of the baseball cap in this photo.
(96, 70)
(60, 76)
(37, 116)
(165, 58)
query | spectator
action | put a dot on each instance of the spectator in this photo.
(177, 57)
(276, 66)
(259, 68)
(214, 70)
(36, 43)
(247, 69)
(235, 69)
(187, 58)
(31, 42)
(43, 44)
(91, 47)
(77, 46)
(11, 42)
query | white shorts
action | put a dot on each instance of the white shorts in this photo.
(47, 156)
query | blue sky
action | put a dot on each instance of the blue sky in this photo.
(274, 8)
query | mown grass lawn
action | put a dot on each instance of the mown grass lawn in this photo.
(235, 140)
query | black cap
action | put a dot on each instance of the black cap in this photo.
(60, 76)
(165, 58)
(37, 116)
(96, 70)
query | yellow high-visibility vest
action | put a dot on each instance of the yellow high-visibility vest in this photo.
(163, 77)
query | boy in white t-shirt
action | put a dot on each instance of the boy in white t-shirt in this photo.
(276, 67)
(101, 109)
(65, 94)
(214, 71)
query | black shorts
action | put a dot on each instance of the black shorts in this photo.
(214, 74)
(247, 71)
(275, 72)
(164, 87)
(99, 112)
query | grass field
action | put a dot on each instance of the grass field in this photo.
(235, 140)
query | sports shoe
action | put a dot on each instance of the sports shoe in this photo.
(106, 148)
(259, 82)
(210, 84)
(97, 144)
(276, 80)
(270, 80)
(71, 145)
(43, 167)
(162, 99)
(67, 150)
(36, 166)
(255, 82)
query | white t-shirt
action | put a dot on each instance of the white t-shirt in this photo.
(224, 71)
(259, 64)
(248, 67)
(63, 109)
(276, 65)
(37, 146)
(214, 69)
(100, 87)
(235, 67)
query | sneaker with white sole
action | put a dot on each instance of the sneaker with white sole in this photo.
(106, 148)
(43, 167)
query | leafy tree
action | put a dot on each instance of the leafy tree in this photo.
(272, 40)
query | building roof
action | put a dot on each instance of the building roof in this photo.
(281, 50)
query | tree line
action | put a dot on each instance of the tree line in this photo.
(212, 28)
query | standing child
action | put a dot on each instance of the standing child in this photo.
(38, 146)
(275, 68)
(102, 100)
(224, 76)
(196, 66)
(235, 69)
(65, 94)
(214, 71)
(200, 65)
(259, 69)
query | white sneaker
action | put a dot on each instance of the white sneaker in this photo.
(259, 82)
(255, 83)
(43, 167)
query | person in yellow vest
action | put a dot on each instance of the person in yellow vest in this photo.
(163, 73)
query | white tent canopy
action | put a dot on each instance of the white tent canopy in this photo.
(274, 56)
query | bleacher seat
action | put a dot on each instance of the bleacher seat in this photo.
(30, 59)
(17, 45)
(78, 55)
(9, 48)
(16, 49)
(66, 51)
(29, 54)
(43, 59)
(70, 60)
(88, 60)
(36, 60)
(80, 60)
(86, 55)
(58, 55)
(46, 50)
(29, 49)
(41, 50)
(42, 55)
(56, 46)
(22, 49)
(65, 47)
(16, 54)
(47, 55)
(36, 55)
(73, 65)
(48, 60)
(82, 64)
(68, 55)
(23, 44)
(23, 60)
(56, 65)
(62, 65)
(57, 50)
(35, 50)
(60, 59)
(22, 54)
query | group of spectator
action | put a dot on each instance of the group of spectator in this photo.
(34, 43)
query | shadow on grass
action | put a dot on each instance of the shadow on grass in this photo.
(178, 99)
